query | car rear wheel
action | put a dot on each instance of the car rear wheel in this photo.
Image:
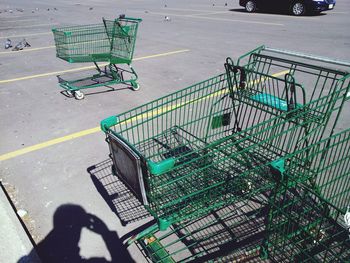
(250, 6)
(298, 8)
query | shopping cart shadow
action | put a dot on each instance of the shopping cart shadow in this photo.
(119, 198)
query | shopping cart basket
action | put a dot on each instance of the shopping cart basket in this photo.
(309, 217)
(112, 41)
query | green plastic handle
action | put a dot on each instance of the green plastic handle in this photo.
(108, 122)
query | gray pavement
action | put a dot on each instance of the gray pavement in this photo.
(15, 243)
(33, 112)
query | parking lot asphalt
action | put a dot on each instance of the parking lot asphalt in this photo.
(52, 152)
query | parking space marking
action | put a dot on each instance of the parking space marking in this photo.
(28, 35)
(211, 13)
(46, 144)
(82, 133)
(339, 12)
(192, 10)
(28, 26)
(233, 20)
(88, 67)
(26, 50)
(20, 20)
(208, 12)
(197, 16)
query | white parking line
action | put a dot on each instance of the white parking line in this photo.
(214, 18)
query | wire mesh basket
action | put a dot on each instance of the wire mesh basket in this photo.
(307, 218)
(112, 41)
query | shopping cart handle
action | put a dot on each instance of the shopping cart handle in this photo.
(130, 18)
(157, 168)
(108, 122)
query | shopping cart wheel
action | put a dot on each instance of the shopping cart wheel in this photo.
(78, 95)
(134, 85)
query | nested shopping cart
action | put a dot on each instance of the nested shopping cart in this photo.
(304, 218)
(112, 42)
(206, 146)
(309, 218)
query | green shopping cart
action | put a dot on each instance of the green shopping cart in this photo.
(309, 218)
(304, 218)
(112, 41)
(203, 147)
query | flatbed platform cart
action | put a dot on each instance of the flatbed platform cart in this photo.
(112, 41)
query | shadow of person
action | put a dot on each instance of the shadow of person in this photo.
(62, 243)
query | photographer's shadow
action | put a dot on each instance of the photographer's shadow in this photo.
(62, 243)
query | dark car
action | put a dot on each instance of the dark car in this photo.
(295, 7)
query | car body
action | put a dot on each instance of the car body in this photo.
(295, 7)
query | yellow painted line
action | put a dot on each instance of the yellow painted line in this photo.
(46, 144)
(26, 50)
(79, 134)
(27, 35)
(88, 67)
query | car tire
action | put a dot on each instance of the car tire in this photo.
(250, 6)
(298, 8)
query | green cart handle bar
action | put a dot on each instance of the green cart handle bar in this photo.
(130, 18)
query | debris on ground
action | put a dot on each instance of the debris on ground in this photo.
(21, 213)
(30, 224)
